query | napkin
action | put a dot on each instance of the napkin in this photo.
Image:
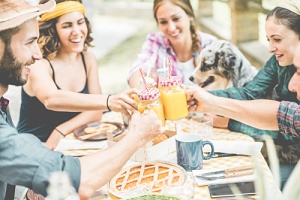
(69, 144)
(237, 147)
(202, 182)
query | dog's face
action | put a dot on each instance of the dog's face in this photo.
(217, 66)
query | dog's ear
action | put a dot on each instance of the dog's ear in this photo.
(228, 59)
(226, 63)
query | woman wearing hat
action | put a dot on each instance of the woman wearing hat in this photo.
(55, 100)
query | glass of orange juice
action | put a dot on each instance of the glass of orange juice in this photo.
(173, 98)
(149, 100)
(150, 84)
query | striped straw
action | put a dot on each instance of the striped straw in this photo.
(144, 80)
(169, 66)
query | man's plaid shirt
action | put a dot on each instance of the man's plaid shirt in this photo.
(288, 116)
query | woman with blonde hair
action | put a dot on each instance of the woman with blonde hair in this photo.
(63, 90)
(178, 38)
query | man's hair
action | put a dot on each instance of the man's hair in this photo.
(7, 34)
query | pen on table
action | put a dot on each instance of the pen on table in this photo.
(218, 155)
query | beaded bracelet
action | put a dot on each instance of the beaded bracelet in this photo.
(60, 132)
(107, 102)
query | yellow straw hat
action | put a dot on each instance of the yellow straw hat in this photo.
(14, 12)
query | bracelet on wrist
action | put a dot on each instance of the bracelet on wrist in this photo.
(60, 132)
(107, 102)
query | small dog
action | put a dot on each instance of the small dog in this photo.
(222, 65)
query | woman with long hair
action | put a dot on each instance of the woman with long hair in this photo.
(63, 90)
(178, 37)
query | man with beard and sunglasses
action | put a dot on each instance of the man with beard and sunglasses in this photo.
(23, 158)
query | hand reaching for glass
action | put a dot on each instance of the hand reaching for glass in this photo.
(147, 124)
(199, 100)
(123, 102)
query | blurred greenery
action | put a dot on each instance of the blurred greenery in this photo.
(129, 49)
(117, 63)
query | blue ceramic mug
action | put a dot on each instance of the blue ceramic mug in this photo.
(189, 149)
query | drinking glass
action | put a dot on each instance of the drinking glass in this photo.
(202, 124)
(185, 191)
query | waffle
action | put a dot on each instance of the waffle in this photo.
(151, 175)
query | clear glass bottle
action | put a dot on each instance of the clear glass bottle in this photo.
(173, 98)
(60, 187)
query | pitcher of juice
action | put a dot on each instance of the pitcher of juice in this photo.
(149, 100)
(173, 98)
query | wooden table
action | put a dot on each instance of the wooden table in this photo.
(215, 163)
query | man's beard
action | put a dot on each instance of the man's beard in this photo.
(10, 69)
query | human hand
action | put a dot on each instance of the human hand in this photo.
(123, 102)
(53, 140)
(145, 126)
(198, 99)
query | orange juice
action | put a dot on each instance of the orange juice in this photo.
(153, 105)
(136, 98)
(173, 98)
(149, 100)
(142, 107)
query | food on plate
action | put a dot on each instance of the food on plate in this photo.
(159, 138)
(90, 130)
(101, 128)
(150, 175)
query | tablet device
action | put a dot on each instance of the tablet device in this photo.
(224, 190)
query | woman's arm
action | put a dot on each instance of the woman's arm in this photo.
(41, 85)
(262, 84)
(258, 113)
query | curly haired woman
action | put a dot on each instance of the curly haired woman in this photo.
(63, 90)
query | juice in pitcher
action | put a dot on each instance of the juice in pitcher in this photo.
(149, 100)
(173, 98)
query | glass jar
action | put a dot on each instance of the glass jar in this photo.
(185, 191)
(162, 73)
(173, 98)
(150, 83)
(149, 100)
